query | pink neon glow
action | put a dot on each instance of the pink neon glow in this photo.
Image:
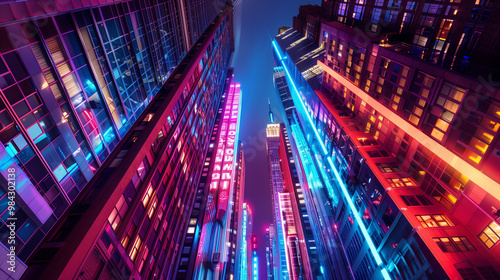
(224, 157)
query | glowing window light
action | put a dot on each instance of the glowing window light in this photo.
(371, 245)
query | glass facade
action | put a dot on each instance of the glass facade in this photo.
(73, 81)
(146, 190)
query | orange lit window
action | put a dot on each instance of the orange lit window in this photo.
(490, 235)
(147, 195)
(402, 182)
(135, 248)
(429, 221)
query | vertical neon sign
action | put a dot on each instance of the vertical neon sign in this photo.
(223, 167)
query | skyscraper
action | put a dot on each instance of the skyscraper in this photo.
(396, 150)
(270, 252)
(299, 252)
(86, 97)
(276, 182)
(216, 251)
(246, 248)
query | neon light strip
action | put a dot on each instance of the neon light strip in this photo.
(484, 181)
(300, 99)
(343, 187)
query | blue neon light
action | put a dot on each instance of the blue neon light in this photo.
(343, 187)
(301, 102)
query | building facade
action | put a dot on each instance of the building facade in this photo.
(402, 151)
(75, 77)
(216, 253)
(461, 35)
(131, 219)
(270, 252)
(299, 245)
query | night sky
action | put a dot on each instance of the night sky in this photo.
(253, 69)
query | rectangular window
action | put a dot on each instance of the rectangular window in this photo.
(429, 221)
(490, 235)
(454, 244)
(402, 182)
(410, 200)
(135, 248)
(388, 167)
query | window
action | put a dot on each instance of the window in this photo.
(446, 106)
(388, 167)
(135, 248)
(454, 244)
(429, 221)
(410, 200)
(402, 182)
(147, 195)
(379, 153)
(118, 213)
(490, 235)
(418, 200)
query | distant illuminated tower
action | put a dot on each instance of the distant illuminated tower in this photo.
(273, 143)
(295, 254)
(249, 230)
(236, 223)
(243, 265)
(269, 252)
(255, 259)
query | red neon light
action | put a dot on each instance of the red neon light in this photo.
(91, 119)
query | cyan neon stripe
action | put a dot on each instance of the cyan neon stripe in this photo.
(300, 99)
(343, 187)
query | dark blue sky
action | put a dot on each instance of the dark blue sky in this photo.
(253, 69)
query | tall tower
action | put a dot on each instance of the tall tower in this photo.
(270, 252)
(216, 250)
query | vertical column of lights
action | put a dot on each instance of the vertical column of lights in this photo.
(340, 182)
(281, 198)
(244, 244)
(255, 265)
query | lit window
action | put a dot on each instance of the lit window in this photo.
(388, 167)
(135, 248)
(429, 221)
(147, 195)
(490, 235)
(454, 244)
(402, 182)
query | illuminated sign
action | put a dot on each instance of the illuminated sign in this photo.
(223, 167)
